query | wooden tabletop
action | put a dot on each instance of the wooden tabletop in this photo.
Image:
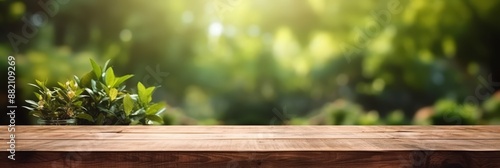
(262, 146)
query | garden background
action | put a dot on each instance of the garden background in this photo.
(235, 62)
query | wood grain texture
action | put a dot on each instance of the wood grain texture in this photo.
(455, 159)
(253, 146)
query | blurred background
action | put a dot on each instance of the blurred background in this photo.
(236, 62)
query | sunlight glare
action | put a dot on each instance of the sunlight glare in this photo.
(215, 29)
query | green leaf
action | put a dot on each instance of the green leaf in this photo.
(38, 87)
(121, 88)
(96, 68)
(90, 92)
(149, 93)
(77, 80)
(128, 104)
(85, 116)
(135, 122)
(36, 113)
(112, 111)
(141, 91)
(110, 78)
(85, 80)
(106, 65)
(103, 99)
(145, 94)
(39, 83)
(93, 84)
(78, 92)
(105, 109)
(138, 112)
(122, 79)
(155, 108)
(32, 102)
(100, 119)
(38, 96)
(113, 93)
(29, 108)
(77, 104)
(62, 85)
(155, 118)
(104, 87)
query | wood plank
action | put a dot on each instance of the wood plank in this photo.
(255, 159)
(252, 129)
(254, 146)
(255, 138)
(278, 135)
(284, 132)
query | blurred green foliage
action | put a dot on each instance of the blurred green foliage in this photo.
(233, 62)
(448, 112)
(492, 109)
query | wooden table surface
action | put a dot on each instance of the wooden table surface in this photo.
(253, 146)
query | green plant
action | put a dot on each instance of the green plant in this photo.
(109, 103)
(97, 98)
(140, 108)
(60, 103)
